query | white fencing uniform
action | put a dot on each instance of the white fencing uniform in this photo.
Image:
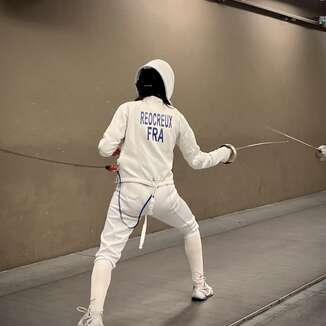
(147, 132)
(166, 206)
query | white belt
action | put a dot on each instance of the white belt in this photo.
(155, 184)
(143, 233)
(144, 228)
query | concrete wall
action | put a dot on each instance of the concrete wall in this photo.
(67, 65)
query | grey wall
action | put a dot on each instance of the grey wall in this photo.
(67, 65)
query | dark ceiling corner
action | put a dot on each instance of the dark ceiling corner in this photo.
(49, 12)
(258, 8)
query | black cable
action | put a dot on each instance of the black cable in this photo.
(34, 157)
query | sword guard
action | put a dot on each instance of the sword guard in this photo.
(321, 153)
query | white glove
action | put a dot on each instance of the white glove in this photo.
(321, 152)
(227, 154)
(231, 154)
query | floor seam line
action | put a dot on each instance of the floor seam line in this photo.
(276, 302)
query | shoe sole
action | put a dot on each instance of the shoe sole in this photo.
(201, 300)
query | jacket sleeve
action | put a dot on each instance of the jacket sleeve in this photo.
(115, 133)
(191, 151)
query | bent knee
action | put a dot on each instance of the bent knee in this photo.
(106, 257)
(189, 228)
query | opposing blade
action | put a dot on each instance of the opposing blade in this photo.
(261, 144)
(290, 137)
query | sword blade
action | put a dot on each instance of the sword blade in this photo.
(290, 137)
(261, 144)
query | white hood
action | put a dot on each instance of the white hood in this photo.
(166, 72)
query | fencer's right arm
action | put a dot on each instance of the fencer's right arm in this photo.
(191, 151)
(115, 133)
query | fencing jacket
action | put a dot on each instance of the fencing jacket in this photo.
(148, 131)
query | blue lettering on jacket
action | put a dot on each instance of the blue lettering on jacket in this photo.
(155, 123)
(155, 134)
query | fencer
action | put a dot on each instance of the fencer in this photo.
(321, 152)
(146, 131)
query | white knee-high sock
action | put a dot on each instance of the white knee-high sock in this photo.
(194, 255)
(101, 278)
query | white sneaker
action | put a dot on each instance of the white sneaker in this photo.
(202, 292)
(90, 318)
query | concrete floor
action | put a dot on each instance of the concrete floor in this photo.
(248, 267)
(305, 309)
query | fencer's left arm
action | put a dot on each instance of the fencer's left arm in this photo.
(115, 133)
(192, 153)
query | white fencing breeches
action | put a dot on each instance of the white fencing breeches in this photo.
(166, 206)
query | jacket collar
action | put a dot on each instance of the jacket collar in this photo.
(153, 99)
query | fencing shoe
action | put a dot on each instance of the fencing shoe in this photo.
(90, 318)
(201, 291)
